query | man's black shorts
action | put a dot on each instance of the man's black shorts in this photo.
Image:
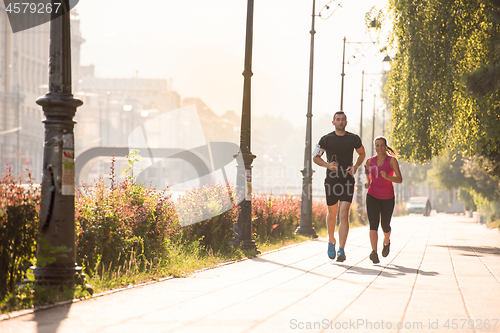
(339, 190)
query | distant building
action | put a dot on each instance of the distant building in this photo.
(114, 107)
(23, 78)
(225, 128)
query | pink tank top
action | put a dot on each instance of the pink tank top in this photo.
(381, 188)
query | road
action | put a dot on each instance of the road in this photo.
(442, 275)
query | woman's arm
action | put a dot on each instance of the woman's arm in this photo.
(397, 178)
(367, 167)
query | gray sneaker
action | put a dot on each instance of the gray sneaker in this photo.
(385, 250)
(374, 257)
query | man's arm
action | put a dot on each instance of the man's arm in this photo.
(320, 161)
(318, 152)
(361, 157)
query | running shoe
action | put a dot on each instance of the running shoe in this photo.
(374, 257)
(331, 250)
(341, 255)
(385, 250)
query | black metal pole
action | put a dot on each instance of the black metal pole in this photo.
(305, 228)
(373, 123)
(383, 123)
(361, 170)
(341, 102)
(342, 82)
(19, 169)
(242, 230)
(57, 212)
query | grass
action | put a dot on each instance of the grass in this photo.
(182, 261)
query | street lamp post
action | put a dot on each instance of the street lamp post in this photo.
(305, 227)
(342, 82)
(342, 74)
(242, 229)
(373, 123)
(387, 67)
(57, 212)
(359, 193)
(359, 189)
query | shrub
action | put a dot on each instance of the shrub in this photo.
(213, 206)
(319, 211)
(19, 207)
(120, 221)
(400, 209)
(274, 217)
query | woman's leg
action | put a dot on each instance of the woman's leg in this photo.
(373, 212)
(385, 217)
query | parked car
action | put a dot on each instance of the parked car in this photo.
(419, 205)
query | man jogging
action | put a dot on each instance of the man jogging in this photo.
(339, 182)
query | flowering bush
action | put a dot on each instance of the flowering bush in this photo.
(319, 211)
(213, 205)
(274, 216)
(126, 218)
(19, 205)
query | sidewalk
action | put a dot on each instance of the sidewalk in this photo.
(442, 275)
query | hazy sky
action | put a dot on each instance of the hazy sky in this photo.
(200, 45)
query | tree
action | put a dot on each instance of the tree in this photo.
(445, 79)
(475, 186)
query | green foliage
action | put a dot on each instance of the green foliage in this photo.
(373, 14)
(467, 198)
(319, 212)
(476, 187)
(126, 234)
(216, 231)
(18, 231)
(50, 253)
(274, 217)
(132, 158)
(443, 47)
(126, 218)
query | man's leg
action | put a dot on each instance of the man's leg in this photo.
(344, 222)
(331, 221)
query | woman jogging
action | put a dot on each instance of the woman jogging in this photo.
(381, 171)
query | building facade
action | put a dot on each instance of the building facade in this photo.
(23, 79)
(113, 107)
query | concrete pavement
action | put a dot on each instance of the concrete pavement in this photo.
(442, 275)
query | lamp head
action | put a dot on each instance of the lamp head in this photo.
(374, 30)
(386, 63)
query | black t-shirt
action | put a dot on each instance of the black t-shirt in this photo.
(341, 150)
